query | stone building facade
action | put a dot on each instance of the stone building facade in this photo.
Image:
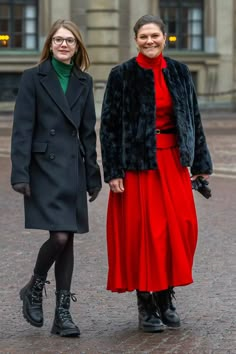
(201, 33)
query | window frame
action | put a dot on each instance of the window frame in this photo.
(181, 25)
(24, 35)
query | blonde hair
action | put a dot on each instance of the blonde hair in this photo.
(80, 58)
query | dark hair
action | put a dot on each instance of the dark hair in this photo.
(81, 58)
(146, 19)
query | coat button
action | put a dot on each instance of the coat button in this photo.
(52, 132)
(73, 133)
(52, 156)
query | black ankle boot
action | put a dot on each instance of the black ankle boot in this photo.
(149, 318)
(63, 324)
(32, 297)
(168, 312)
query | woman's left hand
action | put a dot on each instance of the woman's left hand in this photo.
(117, 185)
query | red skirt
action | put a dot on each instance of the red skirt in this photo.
(152, 226)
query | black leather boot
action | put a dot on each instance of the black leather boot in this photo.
(63, 324)
(32, 297)
(149, 318)
(168, 312)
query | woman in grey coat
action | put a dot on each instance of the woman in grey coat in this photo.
(54, 164)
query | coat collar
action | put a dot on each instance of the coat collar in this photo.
(174, 74)
(50, 82)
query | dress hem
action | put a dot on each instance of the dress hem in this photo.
(122, 290)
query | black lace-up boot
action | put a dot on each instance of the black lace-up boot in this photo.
(149, 318)
(168, 312)
(63, 324)
(32, 297)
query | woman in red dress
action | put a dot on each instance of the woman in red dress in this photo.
(151, 132)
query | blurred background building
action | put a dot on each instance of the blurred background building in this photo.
(201, 33)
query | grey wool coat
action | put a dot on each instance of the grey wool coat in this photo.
(127, 133)
(54, 148)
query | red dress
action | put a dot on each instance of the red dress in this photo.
(152, 225)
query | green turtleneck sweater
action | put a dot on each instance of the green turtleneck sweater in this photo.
(63, 72)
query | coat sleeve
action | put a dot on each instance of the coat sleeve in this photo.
(23, 127)
(87, 135)
(202, 163)
(111, 127)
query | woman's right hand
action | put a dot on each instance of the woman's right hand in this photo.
(117, 185)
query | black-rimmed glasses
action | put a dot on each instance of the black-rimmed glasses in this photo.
(70, 41)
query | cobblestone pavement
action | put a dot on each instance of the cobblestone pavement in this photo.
(108, 321)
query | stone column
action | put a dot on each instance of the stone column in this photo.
(210, 26)
(210, 46)
(137, 9)
(79, 16)
(234, 59)
(44, 21)
(102, 43)
(225, 36)
(124, 30)
(60, 10)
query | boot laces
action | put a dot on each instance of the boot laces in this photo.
(37, 290)
(73, 297)
(64, 312)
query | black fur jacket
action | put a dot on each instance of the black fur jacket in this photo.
(127, 133)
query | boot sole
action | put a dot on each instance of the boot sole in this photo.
(169, 326)
(65, 333)
(25, 314)
(150, 329)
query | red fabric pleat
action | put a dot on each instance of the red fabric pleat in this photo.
(152, 227)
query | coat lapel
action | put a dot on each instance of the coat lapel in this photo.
(51, 84)
(174, 82)
(77, 84)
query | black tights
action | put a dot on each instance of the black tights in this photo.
(59, 248)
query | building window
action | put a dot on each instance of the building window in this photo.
(19, 24)
(184, 22)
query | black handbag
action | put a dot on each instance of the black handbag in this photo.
(201, 185)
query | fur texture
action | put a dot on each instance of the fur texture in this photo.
(128, 120)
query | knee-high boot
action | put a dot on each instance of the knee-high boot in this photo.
(149, 318)
(63, 324)
(32, 296)
(168, 312)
